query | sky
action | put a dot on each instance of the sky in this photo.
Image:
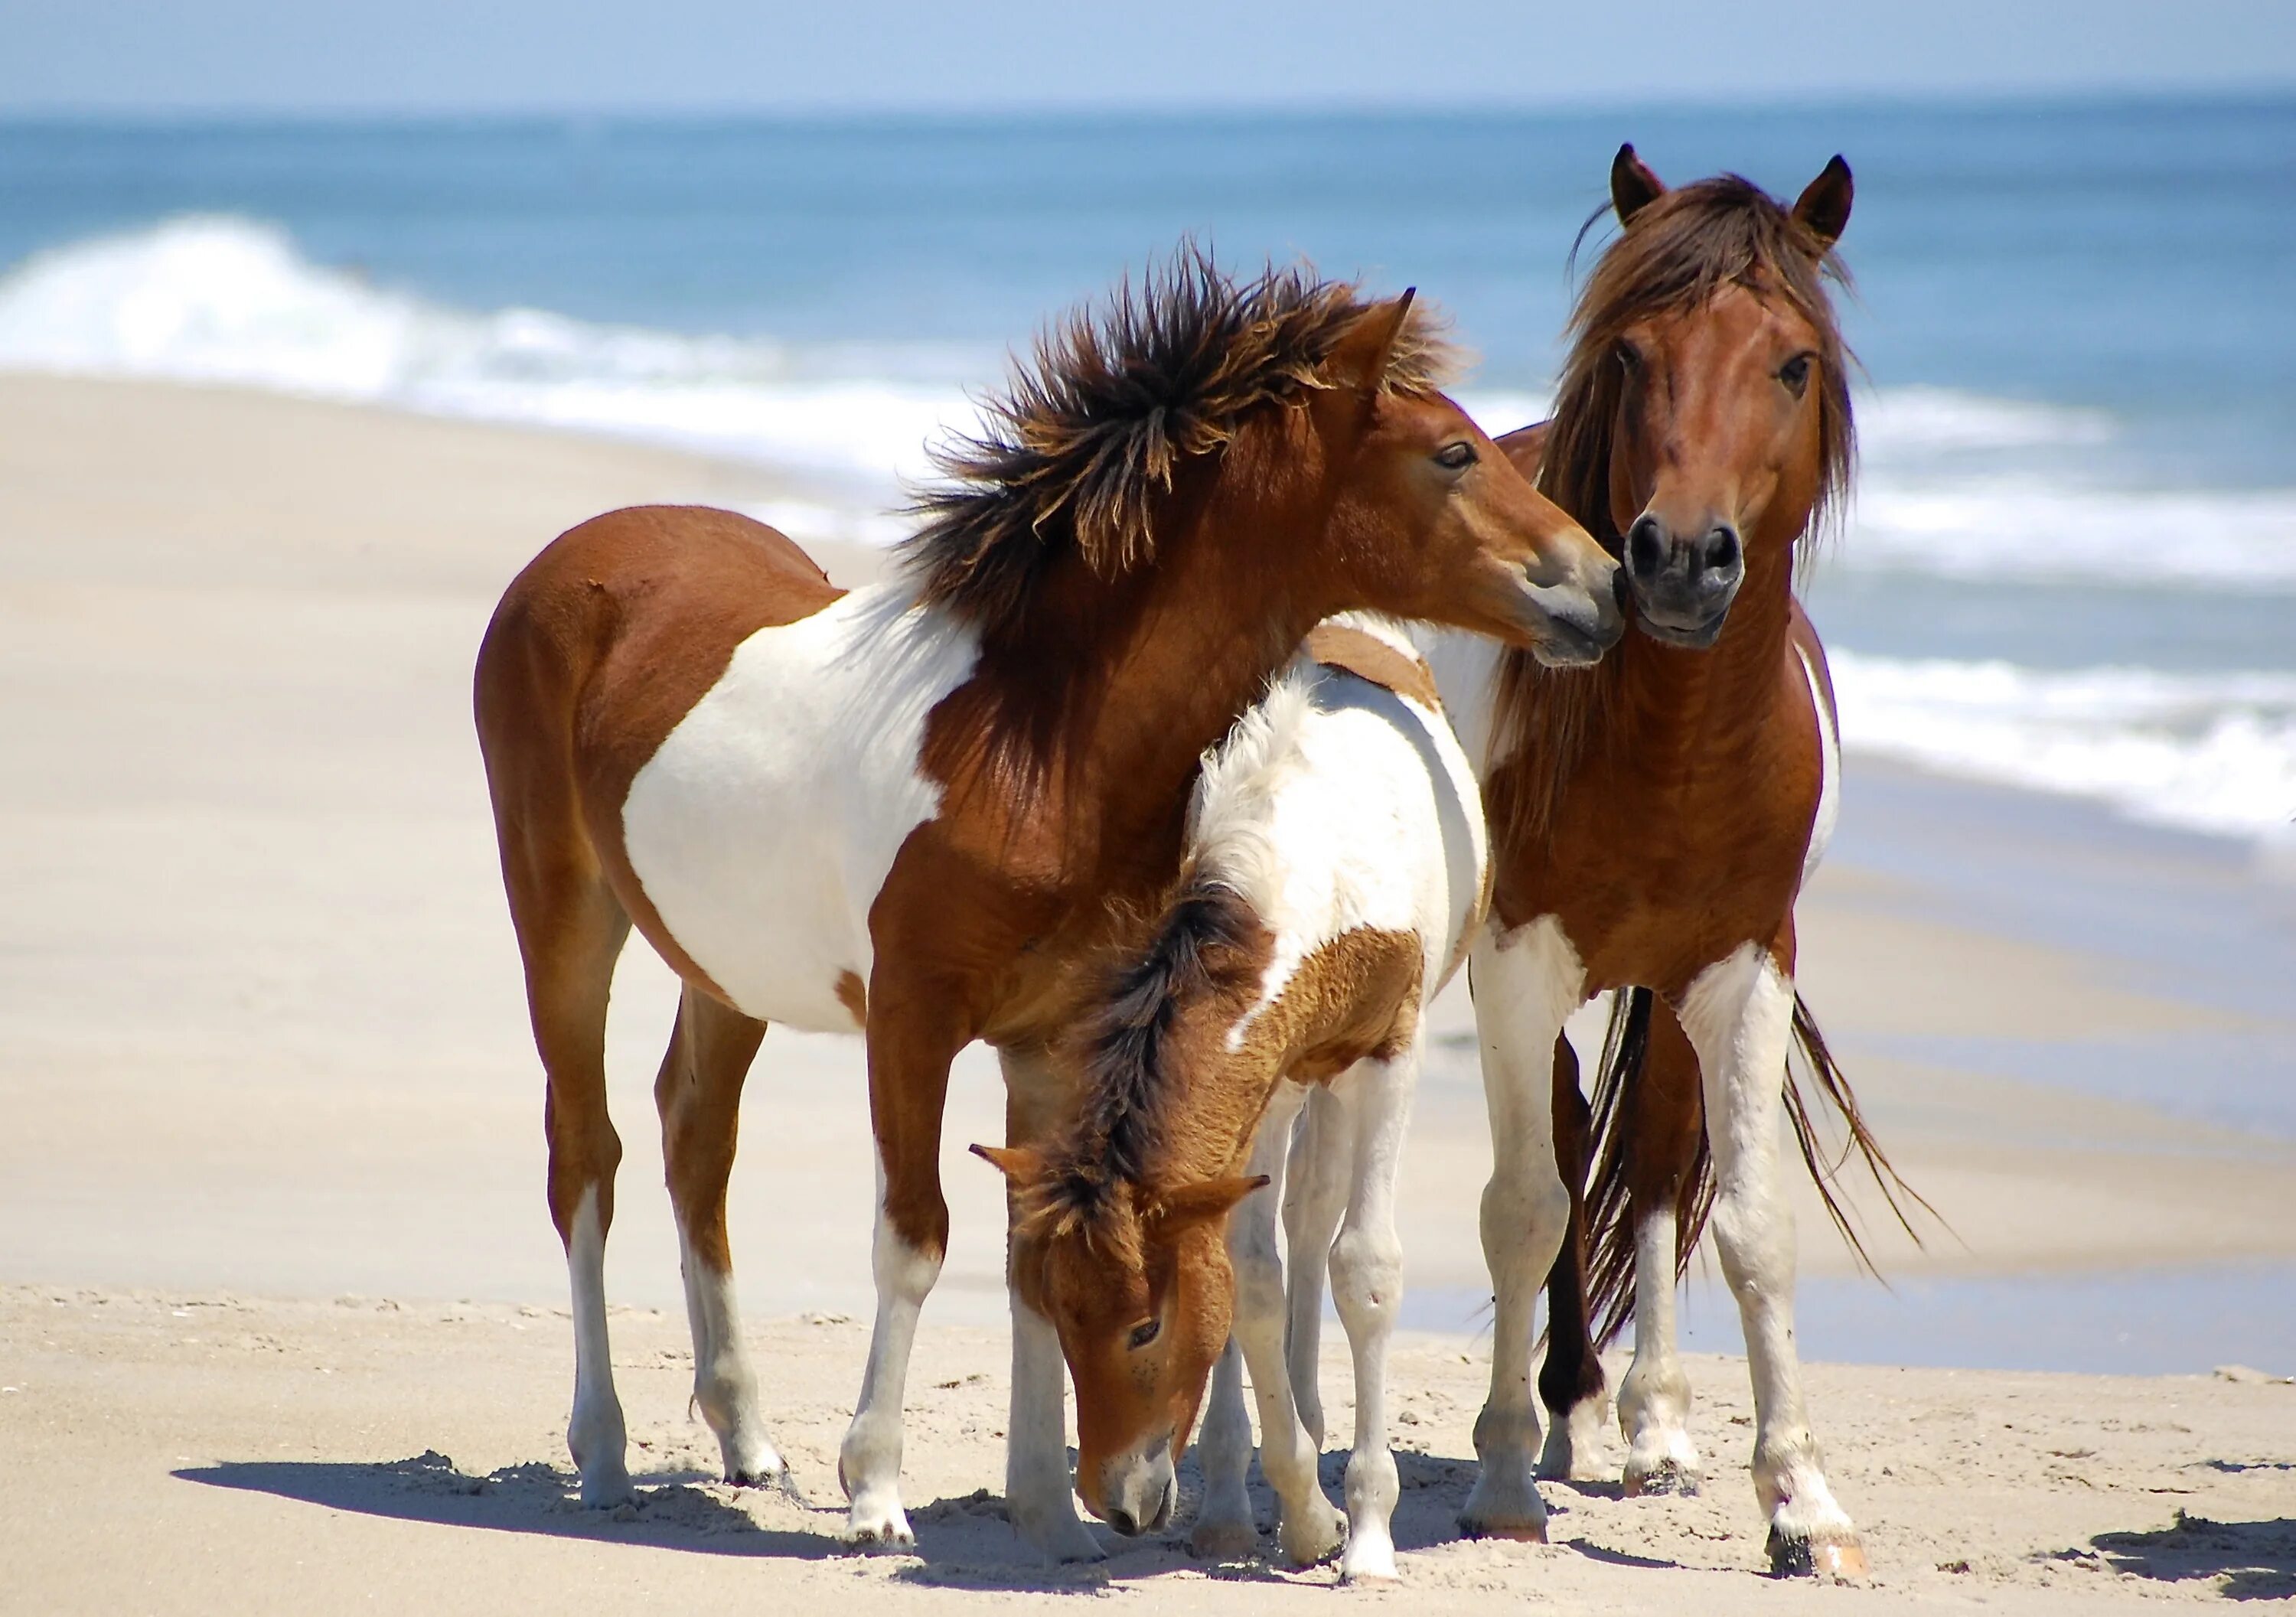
(367, 57)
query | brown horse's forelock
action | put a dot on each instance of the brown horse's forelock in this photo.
(1084, 439)
(1681, 249)
(1104, 1167)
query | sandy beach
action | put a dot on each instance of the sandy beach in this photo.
(273, 1245)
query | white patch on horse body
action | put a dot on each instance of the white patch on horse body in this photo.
(1336, 805)
(1829, 770)
(766, 823)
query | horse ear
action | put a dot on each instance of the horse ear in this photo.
(1824, 206)
(1633, 187)
(1015, 1162)
(1363, 352)
(1201, 1202)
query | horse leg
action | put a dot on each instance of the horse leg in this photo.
(1040, 1491)
(1308, 1528)
(1315, 1198)
(1524, 986)
(1571, 1382)
(912, 1038)
(1225, 1530)
(1368, 1283)
(698, 1095)
(1661, 1125)
(570, 929)
(1739, 1015)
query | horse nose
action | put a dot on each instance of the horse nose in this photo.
(1646, 546)
(1722, 549)
(1124, 1521)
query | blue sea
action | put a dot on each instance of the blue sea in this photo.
(2070, 567)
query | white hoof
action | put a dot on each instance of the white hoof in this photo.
(1574, 1447)
(873, 1524)
(1504, 1505)
(1369, 1559)
(1311, 1536)
(1058, 1535)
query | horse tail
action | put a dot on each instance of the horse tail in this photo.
(1833, 1092)
(1810, 1066)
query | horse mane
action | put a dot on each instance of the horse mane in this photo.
(1680, 250)
(1087, 435)
(1209, 939)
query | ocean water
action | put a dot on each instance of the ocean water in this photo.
(2071, 561)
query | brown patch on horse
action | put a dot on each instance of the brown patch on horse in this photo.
(577, 686)
(1086, 439)
(1369, 658)
(853, 996)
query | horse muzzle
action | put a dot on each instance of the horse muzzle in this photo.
(1684, 588)
(1138, 1492)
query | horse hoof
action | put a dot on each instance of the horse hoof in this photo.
(1315, 1541)
(1224, 1542)
(610, 1492)
(1667, 1477)
(879, 1530)
(775, 1480)
(1521, 1532)
(1798, 1556)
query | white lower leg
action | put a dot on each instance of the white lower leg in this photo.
(1038, 1489)
(1315, 1198)
(1368, 1283)
(594, 1434)
(1225, 1530)
(1309, 1529)
(725, 1386)
(1739, 1016)
(1655, 1398)
(1523, 990)
(869, 1463)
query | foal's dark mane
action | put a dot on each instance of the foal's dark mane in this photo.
(1087, 435)
(1681, 248)
(1202, 943)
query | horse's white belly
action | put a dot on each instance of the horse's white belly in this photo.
(766, 823)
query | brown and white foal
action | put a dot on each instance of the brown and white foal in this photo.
(1335, 874)
(909, 809)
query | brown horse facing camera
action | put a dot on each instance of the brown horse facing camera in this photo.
(909, 809)
(1653, 821)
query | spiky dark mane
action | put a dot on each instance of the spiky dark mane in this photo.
(1682, 249)
(1088, 434)
(1207, 940)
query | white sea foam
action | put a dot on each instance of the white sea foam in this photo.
(212, 298)
(2213, 752)
(222, 299)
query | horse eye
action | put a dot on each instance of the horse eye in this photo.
(1630, 357)
(1455, 457)
(1795, 374)
(1145, 1333)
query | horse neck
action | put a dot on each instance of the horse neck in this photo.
(1669, 701)
(1156, 668)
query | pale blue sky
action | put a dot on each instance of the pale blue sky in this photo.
(923, 55)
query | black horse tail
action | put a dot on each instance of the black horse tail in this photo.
(1609, 1231)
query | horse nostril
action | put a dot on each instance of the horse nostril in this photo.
(1645, 547)
(1124, 1522)
(1722, 547)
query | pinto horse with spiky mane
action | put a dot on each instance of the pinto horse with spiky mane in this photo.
(911, 809)
(1653, 821)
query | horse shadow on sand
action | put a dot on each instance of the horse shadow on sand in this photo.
(2255, 1560)
(965, 1541)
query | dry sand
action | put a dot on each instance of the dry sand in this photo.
(262, 1045)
